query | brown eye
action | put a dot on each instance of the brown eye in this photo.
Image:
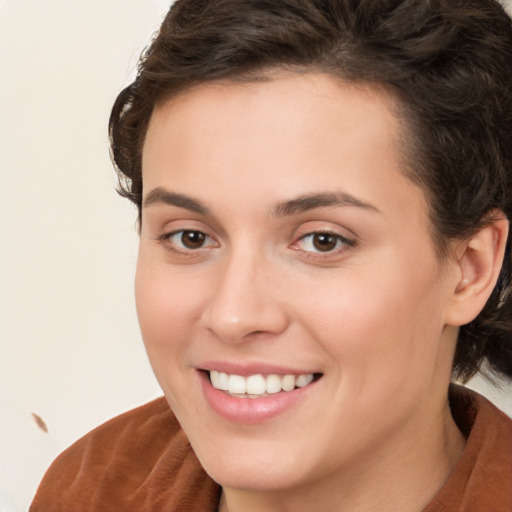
(325, 242)
(192, 239)
(187, 242)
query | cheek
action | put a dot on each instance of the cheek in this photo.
(378, 323)
(167, 308)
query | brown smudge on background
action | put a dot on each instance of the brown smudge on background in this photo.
(40, 422)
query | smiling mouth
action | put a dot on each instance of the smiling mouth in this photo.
(258, 385)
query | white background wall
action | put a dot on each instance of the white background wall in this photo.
(70, 349)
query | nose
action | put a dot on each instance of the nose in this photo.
(245, 302)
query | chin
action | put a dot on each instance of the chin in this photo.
(254, 479)
(253, 468)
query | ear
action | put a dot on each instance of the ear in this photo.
(478, 265)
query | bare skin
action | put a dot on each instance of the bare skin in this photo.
(242, 184)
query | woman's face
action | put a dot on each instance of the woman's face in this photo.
(280, 238)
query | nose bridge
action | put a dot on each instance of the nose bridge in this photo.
(244, 301)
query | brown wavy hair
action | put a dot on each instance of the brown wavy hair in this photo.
(448, 62)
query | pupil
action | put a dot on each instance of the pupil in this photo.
(324, 242)
(192, 239)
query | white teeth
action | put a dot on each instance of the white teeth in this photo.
(236, 384)
(303, 380)
(288, 382)
(257, 385)
(273, 384)
(223, 381)
(220, 380)
(214, 378)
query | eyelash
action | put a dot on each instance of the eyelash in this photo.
(166, 241)
(342, 243)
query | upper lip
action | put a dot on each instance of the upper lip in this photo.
(252, 368)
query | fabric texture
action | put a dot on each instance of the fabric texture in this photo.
(142, 461)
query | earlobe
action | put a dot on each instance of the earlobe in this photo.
(479, 261)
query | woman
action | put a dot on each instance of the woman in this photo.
(324, 191)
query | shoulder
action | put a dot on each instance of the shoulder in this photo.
(482, 479)
(140, 460)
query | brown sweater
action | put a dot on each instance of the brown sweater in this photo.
(142, 461)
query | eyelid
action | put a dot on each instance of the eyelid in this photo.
(346, 243)
(165, 241)
(339, 237)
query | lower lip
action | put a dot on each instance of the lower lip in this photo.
(250, 411)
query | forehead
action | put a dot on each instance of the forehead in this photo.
(293, 133)
(317, 93)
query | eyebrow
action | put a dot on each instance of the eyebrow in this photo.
(311, 201)
(162, 196)
(297, 205)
